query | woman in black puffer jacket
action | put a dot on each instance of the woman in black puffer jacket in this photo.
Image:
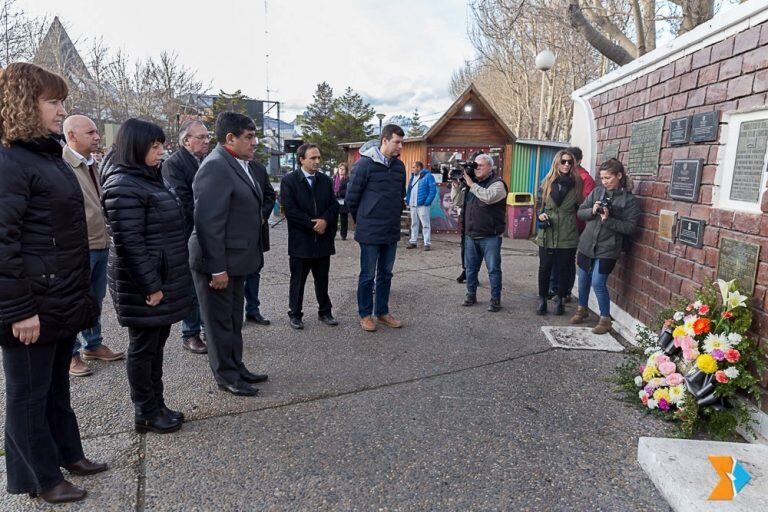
(44, 286)
(148, 271)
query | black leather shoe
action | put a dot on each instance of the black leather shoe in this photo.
(160, 424)
(63, 492)
(328, 320)
(462, 277)
(195, 344)
(174, 415)
(470, 300)
(559, 306)
(256, 318)
(85, 467)
(240, 389)
(253, 378)
(542, 308)
(296, 323)
(494, 306)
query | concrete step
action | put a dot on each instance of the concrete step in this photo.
(681, 471)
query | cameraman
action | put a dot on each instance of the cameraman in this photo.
(484, 220)
(611, 212)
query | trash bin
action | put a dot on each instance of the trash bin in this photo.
(519, 214)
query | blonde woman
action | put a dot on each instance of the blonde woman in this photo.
(44, 286)
(558, 234)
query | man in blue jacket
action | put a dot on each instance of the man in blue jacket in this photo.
(419, 202)
(375, 200)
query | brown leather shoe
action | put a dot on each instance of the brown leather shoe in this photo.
(63, 492)
(77, 368)
(195, 344)
(102, 353)
(389, 321)
(368, 324)
(85, 467)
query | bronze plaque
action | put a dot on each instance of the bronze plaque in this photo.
(738, 260)
(750, 159)
(667, 224)
(644, 147)
(611, 151)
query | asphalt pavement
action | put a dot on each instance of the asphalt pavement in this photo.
(461, 409)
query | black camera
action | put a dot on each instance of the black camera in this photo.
(458, 167)
(545, 224)
(603, 204)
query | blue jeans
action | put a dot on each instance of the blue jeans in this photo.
(376, 262)
(91, 338)
(252, 302)
(598, 282)
(192, 325)
(475, 251)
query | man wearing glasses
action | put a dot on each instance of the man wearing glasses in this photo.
(179, 172)
(484, 222)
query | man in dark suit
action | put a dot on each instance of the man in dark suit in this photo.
(311, 210)
(252, 281)
(179, 172)
(225, 246)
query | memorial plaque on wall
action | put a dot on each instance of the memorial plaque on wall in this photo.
(686, 179)
(611, 151)
(667, 224)
(704, 126)
(678, 130)
(750, 159)
(738, 260)
(691, 232)
(644, 147)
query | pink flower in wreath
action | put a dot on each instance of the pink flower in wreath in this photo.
(644, 399)
(688, 343)
(642, 369)
(663, 404)
(690, 354)
(732, 355)
(721, 377)
(718, 354)
(667, 368)
(704, 309)
(660, 360)
(674, 379)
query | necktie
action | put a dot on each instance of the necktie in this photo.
(93, 178)
(311, 180)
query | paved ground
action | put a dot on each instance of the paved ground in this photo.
(460, 410)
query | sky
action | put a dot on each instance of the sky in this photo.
(398, 54)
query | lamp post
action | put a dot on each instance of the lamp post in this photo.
(381, 118)
(545, 61)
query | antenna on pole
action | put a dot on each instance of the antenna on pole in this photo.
(266, 45)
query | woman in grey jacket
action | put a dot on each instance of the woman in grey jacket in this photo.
(611, 213)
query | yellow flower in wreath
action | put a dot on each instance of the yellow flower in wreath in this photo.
(706, 363)
(680, 330)
(650, 372)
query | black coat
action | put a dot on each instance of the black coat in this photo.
(375, 200)
(44, 262)
(149, 247)
(302, 204)
(179, 172)
(342, 194)
(262, 178)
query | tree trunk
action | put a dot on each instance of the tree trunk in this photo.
(598, 41)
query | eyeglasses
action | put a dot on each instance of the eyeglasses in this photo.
(201, 137)
(566, 162)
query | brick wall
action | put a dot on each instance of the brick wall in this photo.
(727, 76)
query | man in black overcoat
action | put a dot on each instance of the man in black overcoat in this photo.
(311, 210)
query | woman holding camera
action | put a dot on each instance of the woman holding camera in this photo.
(149, 277)
(611, 212)
(340, 183)
(558, 234)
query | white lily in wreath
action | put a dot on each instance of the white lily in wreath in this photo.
(731, 300)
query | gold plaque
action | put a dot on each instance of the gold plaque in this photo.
(667, 225)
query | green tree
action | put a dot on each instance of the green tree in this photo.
(416, 130)
(319, 110)
(235, 102)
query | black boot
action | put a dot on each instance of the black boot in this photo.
(462, 277)
(559, 306)
(542, 309)
(159, 424)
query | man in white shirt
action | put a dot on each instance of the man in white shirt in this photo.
(82, 140)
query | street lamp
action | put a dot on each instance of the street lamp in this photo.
(545, 61)
(381, 118)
